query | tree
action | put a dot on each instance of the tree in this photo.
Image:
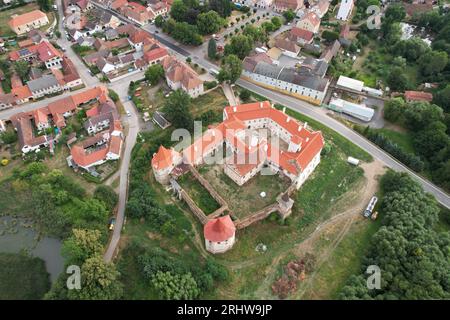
(99, 281)
(289, 15)
(174, 286)
(245, 95)
(395, 13)
(276, 22)
(107, 195)
(212, 49)
(240, 46)
(330, 36)
(431, 140)
(45, 5)
(177, 109)
(419, 115)
(397, 80)
(154, 73)
(442, 98)
(222, 7)
(186, 33)
(113, 95)
(159, 21)
(433, 62)
(178, 10)
(209, 22)
(22, 68)
(231, 69)
(82, 245)
(393, 109)
(8, 137)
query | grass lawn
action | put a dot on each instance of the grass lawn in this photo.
(198, 193)
(212, 101)
(22, 277)
(403, 139)
(246, 199)
(344, 261)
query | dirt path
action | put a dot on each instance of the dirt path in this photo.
(345, 219)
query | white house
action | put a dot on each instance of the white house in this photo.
(345, 10)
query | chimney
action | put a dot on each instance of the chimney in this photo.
(195, 148)
(305, 124)
(299, 128)
(213, 133)
(307, 139)
(284, 109)
(261, 105)
(234, 109)
(288, 119)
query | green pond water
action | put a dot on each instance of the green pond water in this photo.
(17, 234)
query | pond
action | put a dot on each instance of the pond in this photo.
(17, 234)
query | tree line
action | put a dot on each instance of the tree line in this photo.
(412, 256)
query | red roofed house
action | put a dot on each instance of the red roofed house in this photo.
(181, 76)
(301, 36)
(321, 8)
(283, 5)
(310, 22)
(28, 21)
(117, 4)
(418, 96)
(219, 234)
(49, 55)
(136, 12)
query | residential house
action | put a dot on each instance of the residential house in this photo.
(411, 96)
(22, 94)
(96, 150)
(331, 51)
(86, 41)
(344, 35)
(314, 67)
(310, 22)
(321, 8)
(49, 55)
(307, 87)
(46, 85)
(28, 141)
(301, 36)
(28, 21)
(345, 10)
(101, 117)
(180, 76)
(284, 5)
(287, 47)
(136, 12)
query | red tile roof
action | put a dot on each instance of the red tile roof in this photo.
(302, 34)
(219, 229)
(47, 51)
(25, 18)
(22, 92)
(163, 158)
(418, 96)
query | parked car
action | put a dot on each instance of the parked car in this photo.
(128, 113)
(368, 212)
(112, 223)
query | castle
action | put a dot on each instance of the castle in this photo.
(256, 137)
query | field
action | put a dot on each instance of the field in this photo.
(246, 199)
(403, 139)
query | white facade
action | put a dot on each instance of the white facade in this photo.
(220, 247)
(46, 91)
(54, 62)
(345, 10)
(307, 93)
